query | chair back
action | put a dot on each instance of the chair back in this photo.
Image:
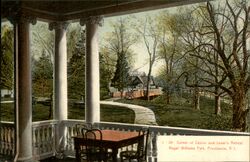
(93, 144)
(82, 128)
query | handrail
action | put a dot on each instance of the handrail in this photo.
(166, 130)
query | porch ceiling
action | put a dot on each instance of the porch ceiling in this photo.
(63, 10)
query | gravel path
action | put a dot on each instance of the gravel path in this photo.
(143, 115)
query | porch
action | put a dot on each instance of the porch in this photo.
(44, 136)
(28, 141)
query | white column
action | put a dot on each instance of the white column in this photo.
(92, 74)
(60, 84)
(24, 88)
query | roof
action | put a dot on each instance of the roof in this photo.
(63, 10)
(140, 79)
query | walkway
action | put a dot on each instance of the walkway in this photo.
(143, 115)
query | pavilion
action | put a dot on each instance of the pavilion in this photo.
(59, 13)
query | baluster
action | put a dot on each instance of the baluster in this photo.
(71, 139)
(9, 141)
(38, 141)
(6, 140)
(50, 141)
(68, 133)
(34, 141)
(13, 140)
(1, 139)
(46, 142)
(53, 137)
(42, 140)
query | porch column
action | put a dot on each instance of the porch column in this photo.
(24, 88)
(92, 74)
(60, 84)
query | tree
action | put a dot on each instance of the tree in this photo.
(119, 43)
(76, 69)
(7, 58)
(170, 49)
(42, 75)
(199, 71)
(227, 31)
(107, 69)
(42, 41)
(150, 37)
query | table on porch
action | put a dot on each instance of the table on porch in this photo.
(111, 139)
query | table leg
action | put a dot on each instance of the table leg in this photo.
(114, 154)
(77, 148)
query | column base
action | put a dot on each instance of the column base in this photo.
(25, 159)
(59, 155)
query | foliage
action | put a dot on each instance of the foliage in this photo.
(217, 122)
(7, 58)
(221, 47)
(42, 40)
(106, 73)
(120, 79)
(76, 69)
(42, 76)
(119, 43)
(150, 36)
(169, 50)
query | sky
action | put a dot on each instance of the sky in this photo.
(141, 54)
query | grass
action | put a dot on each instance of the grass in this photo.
(41, 112)
(180, 113)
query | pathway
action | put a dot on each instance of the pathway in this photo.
(143, 115)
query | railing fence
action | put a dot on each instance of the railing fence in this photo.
(43, 138)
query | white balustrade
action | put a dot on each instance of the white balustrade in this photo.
(7, 138)
(44, 136)
(43, 139)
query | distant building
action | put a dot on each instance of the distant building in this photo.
(140, 82)
(7, 93)
(137, 87)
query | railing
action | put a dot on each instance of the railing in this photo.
(7, 138)
(44, 136)
(154, 132)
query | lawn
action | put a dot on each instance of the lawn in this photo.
(41, 112)
(180, 113)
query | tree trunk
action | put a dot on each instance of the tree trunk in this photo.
(121, 91)
(240, 111)
(168, 95)
(196, 98)
(147, 92)
(217, 105)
